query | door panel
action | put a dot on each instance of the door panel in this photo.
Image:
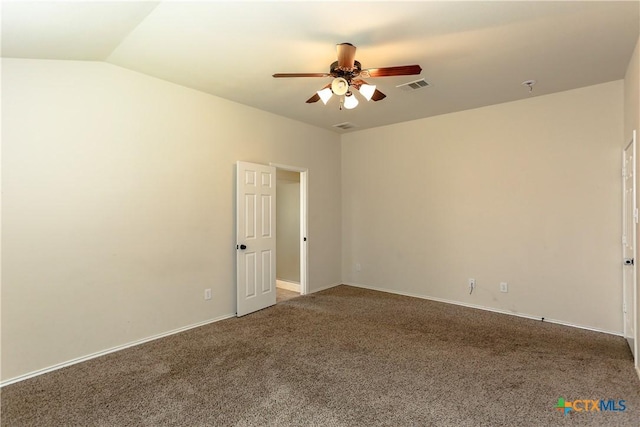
(629, 219)
(255, 237)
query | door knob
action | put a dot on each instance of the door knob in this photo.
(242, 247)
(628, 261)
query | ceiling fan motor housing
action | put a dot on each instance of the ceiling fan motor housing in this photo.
(336, 71)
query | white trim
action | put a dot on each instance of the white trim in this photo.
(289, 286)
(288, 167)
(304, 220)
(480, 307)
(110, 350)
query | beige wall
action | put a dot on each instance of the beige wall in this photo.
(526, 192)
(632, 95)
(631, 123)
(288, 226)
(118, 206)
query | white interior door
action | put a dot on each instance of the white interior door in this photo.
(629, 219)
(255, 237)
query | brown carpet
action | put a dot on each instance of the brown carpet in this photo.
(343, 357)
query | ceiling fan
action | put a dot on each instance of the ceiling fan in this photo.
(348, 74)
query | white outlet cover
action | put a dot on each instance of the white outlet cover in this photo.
(504, 287)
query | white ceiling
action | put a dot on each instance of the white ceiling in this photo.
(473, 53)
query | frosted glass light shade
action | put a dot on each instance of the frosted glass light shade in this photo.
(350, 101)
(325, 95)
(367, 91)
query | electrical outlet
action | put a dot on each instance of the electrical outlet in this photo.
(207, 294)
(358, 266)
(504, 287)
(472, 284)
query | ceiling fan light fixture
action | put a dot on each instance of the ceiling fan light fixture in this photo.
(347, 71)
(350, 101)
(367, 91)
(339, 86)
(325, 95)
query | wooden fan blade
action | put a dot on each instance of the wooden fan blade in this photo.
(403, 70)
(377, 95)
(278, 75)
(314, 98)
(346, 55)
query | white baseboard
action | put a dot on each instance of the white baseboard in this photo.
(289, 286)
(124, 346)
(227, 316)
(110, 350)
(480, 307)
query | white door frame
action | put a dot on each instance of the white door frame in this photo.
(304, 259)
(630, 301)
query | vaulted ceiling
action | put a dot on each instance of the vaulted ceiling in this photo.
(473, 53)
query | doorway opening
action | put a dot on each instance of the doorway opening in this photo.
(291, 232)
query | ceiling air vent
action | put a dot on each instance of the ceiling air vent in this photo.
(415, 85)
(345, 125)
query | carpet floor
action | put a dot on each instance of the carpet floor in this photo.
(343, 357)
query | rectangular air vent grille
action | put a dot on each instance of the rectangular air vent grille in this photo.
(345, 125)
(414, 85)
